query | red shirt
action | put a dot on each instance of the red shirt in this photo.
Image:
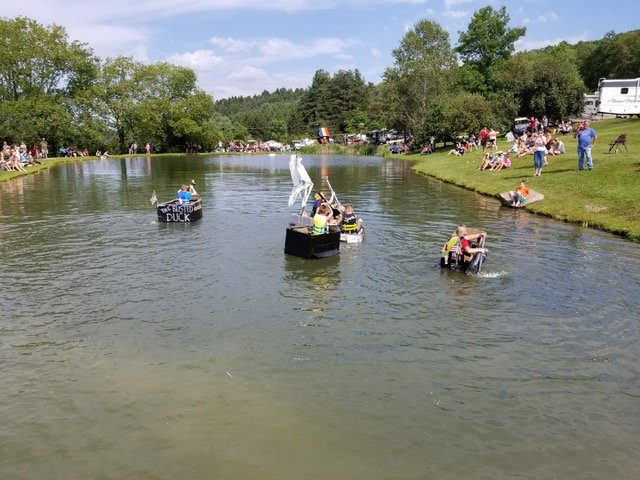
(464, 244)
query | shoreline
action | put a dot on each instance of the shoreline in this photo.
(587, 199)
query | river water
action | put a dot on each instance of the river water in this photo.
(133, 349)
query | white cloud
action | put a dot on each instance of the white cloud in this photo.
(249, 74)
(453, 3)
(546, 18)
(200, 60)
(375, 52)
(112, 40)
(456, 14)
(525, 45)
(232, 45)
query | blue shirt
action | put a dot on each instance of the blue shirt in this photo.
(584, 137)
(184, 197)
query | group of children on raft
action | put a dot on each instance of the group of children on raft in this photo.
(326, 217)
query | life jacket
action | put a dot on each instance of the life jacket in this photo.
(450, 251)
(319, 224)
(350, 224)
(452, 255)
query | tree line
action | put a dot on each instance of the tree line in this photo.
(58, 89)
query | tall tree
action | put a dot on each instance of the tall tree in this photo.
(116, 94)
(614, 56)
(544, 82)
(42, 79)
(424, 69)
(488, 39)
(172, 110)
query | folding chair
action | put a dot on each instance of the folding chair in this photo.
(620, 141)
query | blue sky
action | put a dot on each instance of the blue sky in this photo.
(243, 47)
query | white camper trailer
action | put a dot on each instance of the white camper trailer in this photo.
(620, 97)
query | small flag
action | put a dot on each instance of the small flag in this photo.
(153, 198)
(323, 132)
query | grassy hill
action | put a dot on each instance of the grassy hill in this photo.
(605, 198)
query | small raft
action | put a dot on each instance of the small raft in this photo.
(452, 258)
(532, 198)
(173, 211)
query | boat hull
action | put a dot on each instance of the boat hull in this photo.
(351, 237)
(301, 243)
(171, 212)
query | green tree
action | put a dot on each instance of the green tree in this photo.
(172, 110)
(424, 69)
(314, 110)
(488, 40)
(614, 56)
(43, 79)
(543, 82)
(116, 94)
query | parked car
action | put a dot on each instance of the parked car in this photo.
(520, 126)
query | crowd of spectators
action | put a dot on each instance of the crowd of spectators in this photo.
(18, 157)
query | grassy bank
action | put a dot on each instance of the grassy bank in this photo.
(605, 198)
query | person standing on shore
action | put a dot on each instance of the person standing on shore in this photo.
(539, 152)
(44, 148)
(587, 138)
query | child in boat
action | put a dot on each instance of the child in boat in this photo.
(519, 196)
(349, 220)
(318, 199)
(458, 246)
(321, 219)
(184, 195)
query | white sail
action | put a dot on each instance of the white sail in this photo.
(302, 184)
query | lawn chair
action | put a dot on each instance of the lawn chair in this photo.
(620, 141)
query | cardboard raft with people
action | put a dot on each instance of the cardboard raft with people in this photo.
(315, 235)
(464, 252)
(185, 208)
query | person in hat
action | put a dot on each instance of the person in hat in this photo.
(192, 187)
(319, 199)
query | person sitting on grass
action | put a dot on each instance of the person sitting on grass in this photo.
(503, 161)
(458, 150)
(489, 160)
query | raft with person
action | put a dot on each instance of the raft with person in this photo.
(308, 236)
(351, 226)
(465, 251)
(185, 208)
(507, 199)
